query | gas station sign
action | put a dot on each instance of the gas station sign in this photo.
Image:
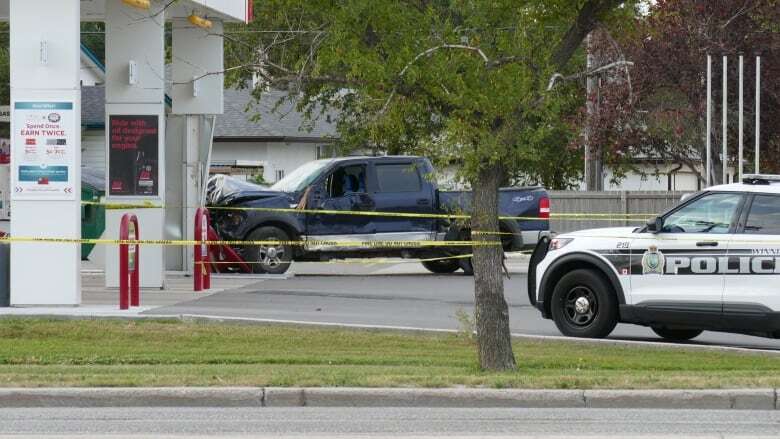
(133, 152)
(43, 151)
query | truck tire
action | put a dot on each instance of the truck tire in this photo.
(467, 266)
(584, 305)
(270, 259)
(676, 334)
(443, 266)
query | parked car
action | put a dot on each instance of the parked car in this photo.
(391, 184)
(710, 263)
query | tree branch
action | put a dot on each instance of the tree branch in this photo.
(427, 52)
(557, 76)
(443, 46)
(586, 21)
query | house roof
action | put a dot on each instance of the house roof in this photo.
(275, 119)
(274, 116)
(93, 107)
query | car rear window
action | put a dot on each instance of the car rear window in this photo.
(764, 216)
(398, 178)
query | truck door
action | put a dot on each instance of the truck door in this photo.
(678, 270)
(399, 186)
(342, 190)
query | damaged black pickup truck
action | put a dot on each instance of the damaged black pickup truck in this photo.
(389, 184)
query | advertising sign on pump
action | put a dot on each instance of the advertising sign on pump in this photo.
(43, 151)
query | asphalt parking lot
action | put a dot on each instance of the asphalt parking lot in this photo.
(401, 296)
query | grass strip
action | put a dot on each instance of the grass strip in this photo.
(41, 352)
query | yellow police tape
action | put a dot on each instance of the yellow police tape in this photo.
(367, 261)
(312, 243)
(570, 216)
(351, 261)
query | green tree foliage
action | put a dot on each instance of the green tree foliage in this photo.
(428, 77)
(5, 64)
(463, 82)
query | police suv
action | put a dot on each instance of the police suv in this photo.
(710, 263)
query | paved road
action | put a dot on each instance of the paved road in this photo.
(390, 422)
(420, 301)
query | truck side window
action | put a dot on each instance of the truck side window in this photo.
(764, 216)
(398, 178)
(347, 180)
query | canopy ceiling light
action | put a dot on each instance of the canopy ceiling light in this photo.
(200, 21)
(140, 4)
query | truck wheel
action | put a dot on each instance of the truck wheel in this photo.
(270, 258)
(442, 266)
(584, 305)
(676, 334)
(467, 266)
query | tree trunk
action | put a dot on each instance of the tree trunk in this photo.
(491, 311)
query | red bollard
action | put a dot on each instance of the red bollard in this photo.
(202, 267)
(129, 286)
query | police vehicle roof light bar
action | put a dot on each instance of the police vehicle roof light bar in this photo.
(760, 179)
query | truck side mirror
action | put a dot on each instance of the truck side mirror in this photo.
(316, 195)
(655, 224)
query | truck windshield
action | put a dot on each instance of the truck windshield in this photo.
(301, 177)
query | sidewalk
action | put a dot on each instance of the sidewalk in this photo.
(99, 301)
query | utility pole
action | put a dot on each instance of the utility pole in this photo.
(724, 155)
(758, 110)
(708, 135)
(594, 169)
(741, 135)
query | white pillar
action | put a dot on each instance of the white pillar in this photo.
(46, 150)
(135, 102)
(197, 91)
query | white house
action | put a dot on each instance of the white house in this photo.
(269, 138)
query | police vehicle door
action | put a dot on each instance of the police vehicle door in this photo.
(754, 260)
(679, 267)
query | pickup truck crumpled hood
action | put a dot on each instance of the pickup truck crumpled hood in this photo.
(610, 232)
(254, 197)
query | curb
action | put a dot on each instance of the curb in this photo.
(738, 399)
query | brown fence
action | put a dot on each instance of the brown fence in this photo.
(618, 203)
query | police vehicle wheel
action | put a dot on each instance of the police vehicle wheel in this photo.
(676, 334)
(444, 266)
(270, 258)
(584, 305)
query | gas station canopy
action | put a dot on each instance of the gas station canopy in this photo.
(225, 10)
(143, 141)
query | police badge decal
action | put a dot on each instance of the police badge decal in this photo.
(653, 261)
